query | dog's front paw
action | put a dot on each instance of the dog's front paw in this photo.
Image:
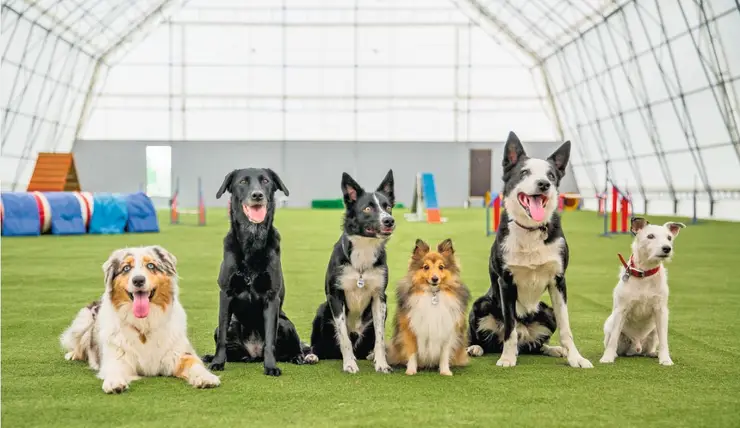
(114, 385)
(445, 372)
(350, 366)
(475, 351)
(272, 371)
(608, 357)
(311, 359)
(203, 379)
(216, 366)
(506, 361)
(207, 358)
(665, 360)
(579, 362)
(383, 368)
(410, 370)
(371, 356)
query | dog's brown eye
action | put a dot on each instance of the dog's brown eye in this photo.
(368, 209)
(441, 267)
(670, 238)
(651, 236)
(426, 267)
(243, 181)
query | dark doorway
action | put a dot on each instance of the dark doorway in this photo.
(480, 172)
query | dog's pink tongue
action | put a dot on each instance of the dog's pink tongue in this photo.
(141, 305)
(257, 213)
(536, 210)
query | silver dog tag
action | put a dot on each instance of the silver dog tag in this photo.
(435, 299)
(360, 282)
(626, 276)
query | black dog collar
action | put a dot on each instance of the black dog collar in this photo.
(542, 228)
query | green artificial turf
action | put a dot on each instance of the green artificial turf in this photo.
(45, 280)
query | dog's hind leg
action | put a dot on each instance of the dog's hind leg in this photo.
(615, 322)
(650, 344)
(289, 347)
(542, 329)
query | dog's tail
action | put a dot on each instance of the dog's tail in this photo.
(78, 338)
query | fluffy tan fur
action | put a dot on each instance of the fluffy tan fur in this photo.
(430, 331)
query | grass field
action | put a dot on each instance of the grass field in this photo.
(46, 280)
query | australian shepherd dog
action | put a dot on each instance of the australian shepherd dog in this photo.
(430, 325)
(138, 327)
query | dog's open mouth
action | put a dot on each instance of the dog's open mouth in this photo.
(141, 301)
(383, 231)
(534, 205)
(255, 213)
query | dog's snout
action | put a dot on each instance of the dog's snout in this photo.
(435, 279)
(388, 222)
(666, 249)
(138, 280)
(257, 195)
(543, 185)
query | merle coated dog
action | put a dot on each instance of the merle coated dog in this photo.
(251, 323)
(529, 255)
(351, 323)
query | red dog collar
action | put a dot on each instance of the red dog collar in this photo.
(631, 270)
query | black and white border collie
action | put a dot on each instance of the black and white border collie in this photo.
(528, 256)
(351, 323)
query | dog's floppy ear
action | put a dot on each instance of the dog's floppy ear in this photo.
(111, 266)
(674, 227)
(278, 182)
(445, 248)
(560, 158)
(637, 224)
(513, 151)
(226, 185)
(421, 249)
(350, 189)
(386, 186)
(167, 259)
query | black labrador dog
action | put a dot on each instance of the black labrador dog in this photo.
(251, 323)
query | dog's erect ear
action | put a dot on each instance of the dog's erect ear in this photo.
(110, 267)
(513, 151)
(674, 227)
(350, 189)
(278, 182)
(167, 259)
(560, 158)
(226, 185)
(420, 249)
(386, 186)
(637, 224)
(445, 248)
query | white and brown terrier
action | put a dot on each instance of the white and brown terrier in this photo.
(638, 324)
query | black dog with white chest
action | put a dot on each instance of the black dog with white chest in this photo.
(251, 323)
(529, 255)
(351, 323)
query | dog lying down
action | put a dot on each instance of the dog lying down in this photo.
(138, 327)
(638, 324)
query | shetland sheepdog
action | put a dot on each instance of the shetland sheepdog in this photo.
(138, 327)
(430, 323)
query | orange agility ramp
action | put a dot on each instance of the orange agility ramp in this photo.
(54, 172)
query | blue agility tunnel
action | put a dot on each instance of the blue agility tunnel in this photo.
(20, 214)
(110, 213)
(142, 217)
(66, 213)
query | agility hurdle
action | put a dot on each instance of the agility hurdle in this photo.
(493, 219)
(621, 204)
(175, 211)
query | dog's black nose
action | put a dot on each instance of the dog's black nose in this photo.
(257, 195)
(139, 280)
(543, 185)
(435, 279)
(388, 222)
(666, 249)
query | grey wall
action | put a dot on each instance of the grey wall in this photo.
(310, 170)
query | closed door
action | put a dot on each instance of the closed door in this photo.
(480, 172)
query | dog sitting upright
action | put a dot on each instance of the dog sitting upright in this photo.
(351, 323)
(528, 256)
(638, 324)
(429, 326)
(251, 323)
(138, 327)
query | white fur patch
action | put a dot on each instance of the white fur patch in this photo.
(531, 333)
(255, 345)
(434, 326)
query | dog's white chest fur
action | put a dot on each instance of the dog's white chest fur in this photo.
(358, 298)
(433, 325)
(533, 264)
(639, 299)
